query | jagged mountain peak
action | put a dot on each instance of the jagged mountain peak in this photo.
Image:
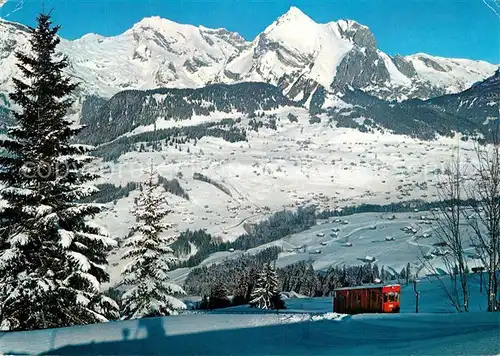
(295, 23)
(294, 28)
(294, 14)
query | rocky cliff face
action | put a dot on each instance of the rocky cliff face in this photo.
(298, 54)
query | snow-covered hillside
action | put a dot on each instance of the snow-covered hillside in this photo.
(388, 239)
(297, 164)
(294, 52)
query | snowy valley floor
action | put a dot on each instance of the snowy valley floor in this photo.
(307, 327)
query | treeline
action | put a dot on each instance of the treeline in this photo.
(203, 178)
(109, 192)
(282, 224)
(233, 274)
(224, 129)
(205, 243)
(173, 186)
(236, 276)
(399, 207)
(303, 279)
(279, 225)
(415, 118)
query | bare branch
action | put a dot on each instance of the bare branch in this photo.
(492, 8)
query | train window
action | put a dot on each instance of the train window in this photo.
(392, 297)
(397, 297)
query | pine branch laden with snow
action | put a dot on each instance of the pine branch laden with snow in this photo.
(266, 288)
(149, 258)
(52, 261)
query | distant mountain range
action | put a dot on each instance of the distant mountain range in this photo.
(334, 69)
(294, 53)
(467, 112)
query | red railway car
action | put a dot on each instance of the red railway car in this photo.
(367, 299)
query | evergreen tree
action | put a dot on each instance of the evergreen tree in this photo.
(376, 272)
(252, 279)
(52, 261)
(241, 292)
(276, 302)
(204, 303)
(150, 258)
(218, 296)
(265, 294)
(383, 275)
(402, 274)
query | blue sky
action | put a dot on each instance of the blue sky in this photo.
(449, 28)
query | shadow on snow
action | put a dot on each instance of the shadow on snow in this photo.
(393, 334)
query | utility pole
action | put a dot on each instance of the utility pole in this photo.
(481, 281)
(416, 294)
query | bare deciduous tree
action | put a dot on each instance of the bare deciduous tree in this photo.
(450, 246)
(484, 192)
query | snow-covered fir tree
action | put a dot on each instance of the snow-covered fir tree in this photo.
(265, 294)
(218, 296)
(52, 260)
(150, 257)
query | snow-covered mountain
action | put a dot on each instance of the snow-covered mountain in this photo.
(153, 53)
(297, 53)
(294, 52)
(480, 103)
